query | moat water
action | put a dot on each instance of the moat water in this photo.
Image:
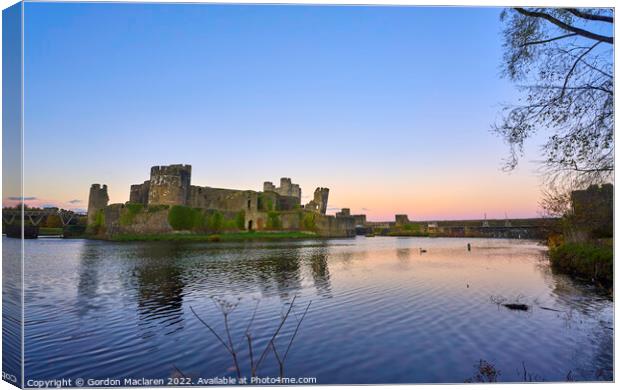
(382, 311)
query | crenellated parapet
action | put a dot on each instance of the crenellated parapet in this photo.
(170, 184)
(287, 188)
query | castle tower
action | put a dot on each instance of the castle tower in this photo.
(286, 186)
(401, 219)
(170, 184)
(268, 186)
(296, 191)
(139, 193)
(320, 196)
(345, 212)
(97, 200)
(319, 203)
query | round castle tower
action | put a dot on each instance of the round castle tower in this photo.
(97, 200)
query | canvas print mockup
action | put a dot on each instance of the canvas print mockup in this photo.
(229, 194)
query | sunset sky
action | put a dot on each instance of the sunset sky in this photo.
(389, 107)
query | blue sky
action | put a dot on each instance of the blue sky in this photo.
(389, 107)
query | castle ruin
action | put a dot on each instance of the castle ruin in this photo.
(273, 208)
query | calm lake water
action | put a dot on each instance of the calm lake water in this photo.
(381, 312)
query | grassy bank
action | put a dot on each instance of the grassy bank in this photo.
(223, 237)
(407, 234)
(45, 231)
(585, 260)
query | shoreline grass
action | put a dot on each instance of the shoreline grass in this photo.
(591, 261)
(406, 233)
(222, 237)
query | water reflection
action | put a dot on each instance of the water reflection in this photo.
(11, 310)
(403, 254)
(88, 279)
(160, 297)
(379, 308)
(320, 271)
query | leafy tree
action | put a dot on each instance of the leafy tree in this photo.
(53, 221)
(216, 221)
(273, 220)
(240, 220)
(181, 217)
(562, 60)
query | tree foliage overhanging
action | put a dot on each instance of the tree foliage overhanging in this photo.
(562, 61)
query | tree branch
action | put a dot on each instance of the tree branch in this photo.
(589, 16)
(565, 26)
(572, 69)
(548, 40)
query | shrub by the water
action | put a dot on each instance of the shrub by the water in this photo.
(99, 219)
(273, 220)
(309, 221)
(98, 225)
(52, 221)
(185, 218)
(586, 260)
(157, 207)
(240, 220)
(130, 212)
(215, 222)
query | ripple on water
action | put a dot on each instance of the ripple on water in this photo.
(382, 312)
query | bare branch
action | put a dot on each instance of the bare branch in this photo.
(548, 40)
(565, 26)
(572, 69)
(590, 16)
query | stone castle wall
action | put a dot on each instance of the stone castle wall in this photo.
(330, 226)
(152, 222)
(139, 193)
(222, 199)
(292, 220)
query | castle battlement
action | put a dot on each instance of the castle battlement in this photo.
(174, 169)
(169, 184)
(287, 188)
